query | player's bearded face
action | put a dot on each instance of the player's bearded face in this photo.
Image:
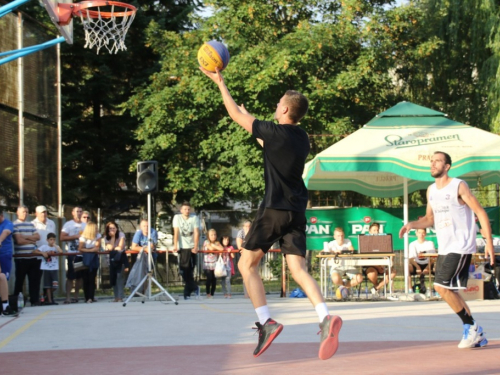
(437, 172)
(438, 167)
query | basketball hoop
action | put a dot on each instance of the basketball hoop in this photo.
(105, 22)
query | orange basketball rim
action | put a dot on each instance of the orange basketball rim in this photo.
(85, 9)
(105, 22)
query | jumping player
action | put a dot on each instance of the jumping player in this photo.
(450, 209)
(281, 216)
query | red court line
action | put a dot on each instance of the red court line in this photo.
(9, 321)
(280, 359)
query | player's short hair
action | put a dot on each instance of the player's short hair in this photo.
(447, 157)
(339, 229)
(51, 235)
(374, 225)
(186, 203)
(297, 105)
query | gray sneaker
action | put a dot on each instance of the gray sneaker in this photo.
(329, 341)
(267, 333)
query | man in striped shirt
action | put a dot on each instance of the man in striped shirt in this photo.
(25, 238)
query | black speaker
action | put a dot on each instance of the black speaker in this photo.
(147, 176)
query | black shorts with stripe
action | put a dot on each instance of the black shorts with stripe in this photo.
(270, 225)
(452, 270)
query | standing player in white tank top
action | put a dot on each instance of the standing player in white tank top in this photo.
(450, 209)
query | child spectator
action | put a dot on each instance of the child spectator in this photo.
(50, 267)
(209, 260)
(228, 261)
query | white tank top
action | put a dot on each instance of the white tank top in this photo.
(453, 222)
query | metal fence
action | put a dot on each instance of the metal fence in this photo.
(29, 142)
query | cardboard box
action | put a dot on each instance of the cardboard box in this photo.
(475, 290)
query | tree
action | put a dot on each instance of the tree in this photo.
(99, 145)
(456, 71)
(340, 55)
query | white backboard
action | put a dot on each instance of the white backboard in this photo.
(65, 31)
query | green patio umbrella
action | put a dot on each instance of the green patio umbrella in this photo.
(390, 156)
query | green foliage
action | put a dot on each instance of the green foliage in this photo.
(351, 58)
(99, 141)
(456, 71)
(325, 49)
(276, 265)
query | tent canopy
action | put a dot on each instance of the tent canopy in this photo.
(397, 144)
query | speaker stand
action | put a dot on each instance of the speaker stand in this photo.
(149, 276)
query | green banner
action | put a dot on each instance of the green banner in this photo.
(356, 221)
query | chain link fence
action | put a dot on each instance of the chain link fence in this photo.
(37, 95)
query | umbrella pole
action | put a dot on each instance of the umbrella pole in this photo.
(405, 218)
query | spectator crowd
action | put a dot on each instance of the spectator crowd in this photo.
(31, 246)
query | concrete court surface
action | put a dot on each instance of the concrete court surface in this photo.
(215, 337)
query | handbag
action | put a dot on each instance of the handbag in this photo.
(138, 271)
(91, 260)
(220, 268)
(78, 264)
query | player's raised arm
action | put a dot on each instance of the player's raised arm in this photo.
(244, 111)
(242, 118)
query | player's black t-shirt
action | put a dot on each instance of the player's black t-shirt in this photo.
(285, 151)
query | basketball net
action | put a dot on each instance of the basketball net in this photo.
(106, 29)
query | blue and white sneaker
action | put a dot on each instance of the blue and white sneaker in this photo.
(473, 337)
(483, 342)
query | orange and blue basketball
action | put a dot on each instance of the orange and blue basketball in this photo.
(342, 293)
(213, 55)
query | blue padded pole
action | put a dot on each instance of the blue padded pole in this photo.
(28, 50)
(11, 6)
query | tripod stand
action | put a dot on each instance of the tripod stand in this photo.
(149, 276)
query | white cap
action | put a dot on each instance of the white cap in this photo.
(41, 209)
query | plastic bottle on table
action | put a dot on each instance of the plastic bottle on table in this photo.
(417, 289)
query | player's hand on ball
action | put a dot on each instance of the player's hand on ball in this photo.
(214, 76)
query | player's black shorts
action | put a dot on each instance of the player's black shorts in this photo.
(452, 270)
(270, 225)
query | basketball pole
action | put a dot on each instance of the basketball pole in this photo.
(149, 276)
